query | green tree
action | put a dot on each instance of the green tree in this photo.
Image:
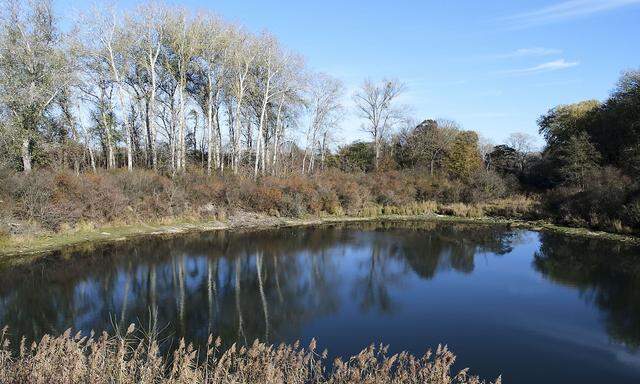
(359, 156)
(616, 132)
(34, 70)
(464, 158)
(575, 159)
(569, 149)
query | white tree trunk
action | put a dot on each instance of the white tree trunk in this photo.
(210, 149)
(151, 117)
(26, 155)
(265, 100)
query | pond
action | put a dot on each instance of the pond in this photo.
(532, 306)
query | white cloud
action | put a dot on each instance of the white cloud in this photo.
(528, 52)
(564, 11)
(544, 67)
(558, 83)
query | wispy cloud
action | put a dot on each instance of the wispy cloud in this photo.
(558, 83)
(544, 67)
(527, 52)
(563, 11)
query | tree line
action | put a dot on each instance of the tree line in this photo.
(158, 87)
(165, 89)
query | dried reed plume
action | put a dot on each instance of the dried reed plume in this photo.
(127, 358)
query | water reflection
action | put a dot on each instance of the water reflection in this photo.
(607, 274)
(241, 286)
(351, 285)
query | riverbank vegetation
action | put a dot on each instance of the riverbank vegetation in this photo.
(133, 358)
(162, 114)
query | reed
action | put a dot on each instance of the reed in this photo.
(135, 357)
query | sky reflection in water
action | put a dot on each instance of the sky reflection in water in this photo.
(534, 307)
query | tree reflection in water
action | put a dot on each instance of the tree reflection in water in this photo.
(271, 284)
(607, 274)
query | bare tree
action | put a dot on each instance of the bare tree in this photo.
(485, 146)
(148, 25)
(181, 42)
(375, 104)
(114, 45)
(213, 67)
(240, 62)
(324, 108)
(523, 143)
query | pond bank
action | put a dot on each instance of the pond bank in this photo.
(18, 250)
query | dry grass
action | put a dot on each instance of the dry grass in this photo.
(514, 207)
(131, 359)
(461, 210)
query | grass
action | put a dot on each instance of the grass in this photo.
(134, 357)
(518, 212)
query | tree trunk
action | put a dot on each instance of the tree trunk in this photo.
(219, 159)
(261, 128)
(111, 159)
(151, 118)
(181, 131)
(92, 158)
(276, 137)
(149, 136)
(324, 148)
(26, 156)
(210, 144)
(376, 144)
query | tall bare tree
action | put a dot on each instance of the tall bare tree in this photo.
(324, 108)
(375, 102)
(147, 23)
(114, 46)
(240, 63)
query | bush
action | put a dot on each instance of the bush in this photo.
(484, 185)
(603, 202)
(392, 188)
(632, 213)
(60, 200)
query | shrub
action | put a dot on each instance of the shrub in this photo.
(352, 194)
(632, 213)
(484, 185)
(392, 188)
(603, 202)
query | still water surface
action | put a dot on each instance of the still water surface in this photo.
(532, 306)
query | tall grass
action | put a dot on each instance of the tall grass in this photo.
(130, 358)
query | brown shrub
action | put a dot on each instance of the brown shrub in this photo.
(392, 188)
(352, 194)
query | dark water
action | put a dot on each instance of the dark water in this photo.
(534, 307)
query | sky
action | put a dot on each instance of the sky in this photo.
(493, 66)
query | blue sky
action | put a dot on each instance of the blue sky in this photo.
(494, 66)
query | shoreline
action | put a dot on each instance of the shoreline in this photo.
(20, 250)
